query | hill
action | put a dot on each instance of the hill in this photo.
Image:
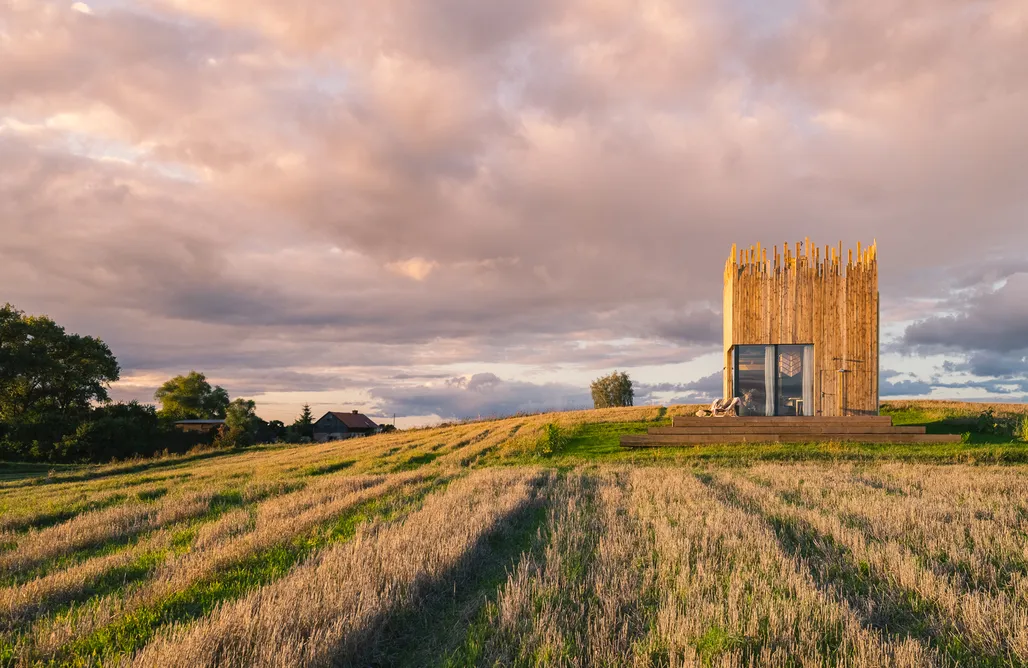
(531, 540)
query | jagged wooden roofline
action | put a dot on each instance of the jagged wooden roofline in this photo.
(754, 260)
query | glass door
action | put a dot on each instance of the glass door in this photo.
(751, 380)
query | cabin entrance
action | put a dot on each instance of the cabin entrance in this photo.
(774, 379)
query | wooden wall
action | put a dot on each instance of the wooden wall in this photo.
(805, 297)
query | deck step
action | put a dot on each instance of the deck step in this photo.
(658, 440)
(690, 421)
(798, 429)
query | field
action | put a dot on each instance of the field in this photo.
(526, 541)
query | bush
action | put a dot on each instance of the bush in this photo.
(554, 440)
(121, 431)
(988, 423)
(1022, 428)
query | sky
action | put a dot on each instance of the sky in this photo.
(475, 207)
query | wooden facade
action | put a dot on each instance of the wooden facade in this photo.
(801, 297)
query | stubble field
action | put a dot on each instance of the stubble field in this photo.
(525, 541)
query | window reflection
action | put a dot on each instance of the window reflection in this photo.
(774, 380)
(750, 385)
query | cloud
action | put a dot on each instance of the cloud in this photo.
(234, 185)
(995, 321)
(481, 394)
(416, 268)
(701, 390)
(887, 387)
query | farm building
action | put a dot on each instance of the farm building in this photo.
(198, 425)
(801, 331)
(335, 425)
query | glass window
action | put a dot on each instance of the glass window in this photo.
(774, 380)
(750, 383)
(789, 399)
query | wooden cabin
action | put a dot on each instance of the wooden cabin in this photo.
(801, 353)
(801, 330)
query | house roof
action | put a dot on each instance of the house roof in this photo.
(353, 420)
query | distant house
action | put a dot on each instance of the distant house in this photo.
(199, 425)
(333, 426)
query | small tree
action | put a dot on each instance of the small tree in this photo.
(304, 425)
(241, 424)
(613, 390)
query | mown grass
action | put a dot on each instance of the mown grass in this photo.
(897, 612)
(63, 513)
(421, 638)
(453, 627)
(131, 632)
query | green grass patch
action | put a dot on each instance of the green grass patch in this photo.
(56, 515)
(329, 468)
(601, 441)
(152, 494)
(716, 641)
(415, 462)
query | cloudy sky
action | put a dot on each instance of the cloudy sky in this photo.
(462, 207)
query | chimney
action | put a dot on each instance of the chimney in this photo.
(355, 412)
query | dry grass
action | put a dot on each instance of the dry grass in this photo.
(349, 552)
(328, 608)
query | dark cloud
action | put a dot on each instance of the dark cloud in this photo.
(995, 321)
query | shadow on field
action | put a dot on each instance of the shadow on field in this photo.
(15, 471)
(41, 475)
(437, 624)
(894, 612)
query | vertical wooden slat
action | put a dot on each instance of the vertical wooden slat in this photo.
(799, 296)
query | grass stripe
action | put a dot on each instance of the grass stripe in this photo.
(136, 629)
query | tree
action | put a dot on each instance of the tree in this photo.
(304, 425)
(49, 380)
(191, 397)
(306, 418)
(241, 424)
(277, 429)
(613, 390)
(115, 431)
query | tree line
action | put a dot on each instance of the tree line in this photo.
(55, 404)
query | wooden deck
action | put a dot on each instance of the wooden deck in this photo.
(861, 429)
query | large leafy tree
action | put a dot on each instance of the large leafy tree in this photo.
(191, 397)
(44, 371)
(613, 390)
